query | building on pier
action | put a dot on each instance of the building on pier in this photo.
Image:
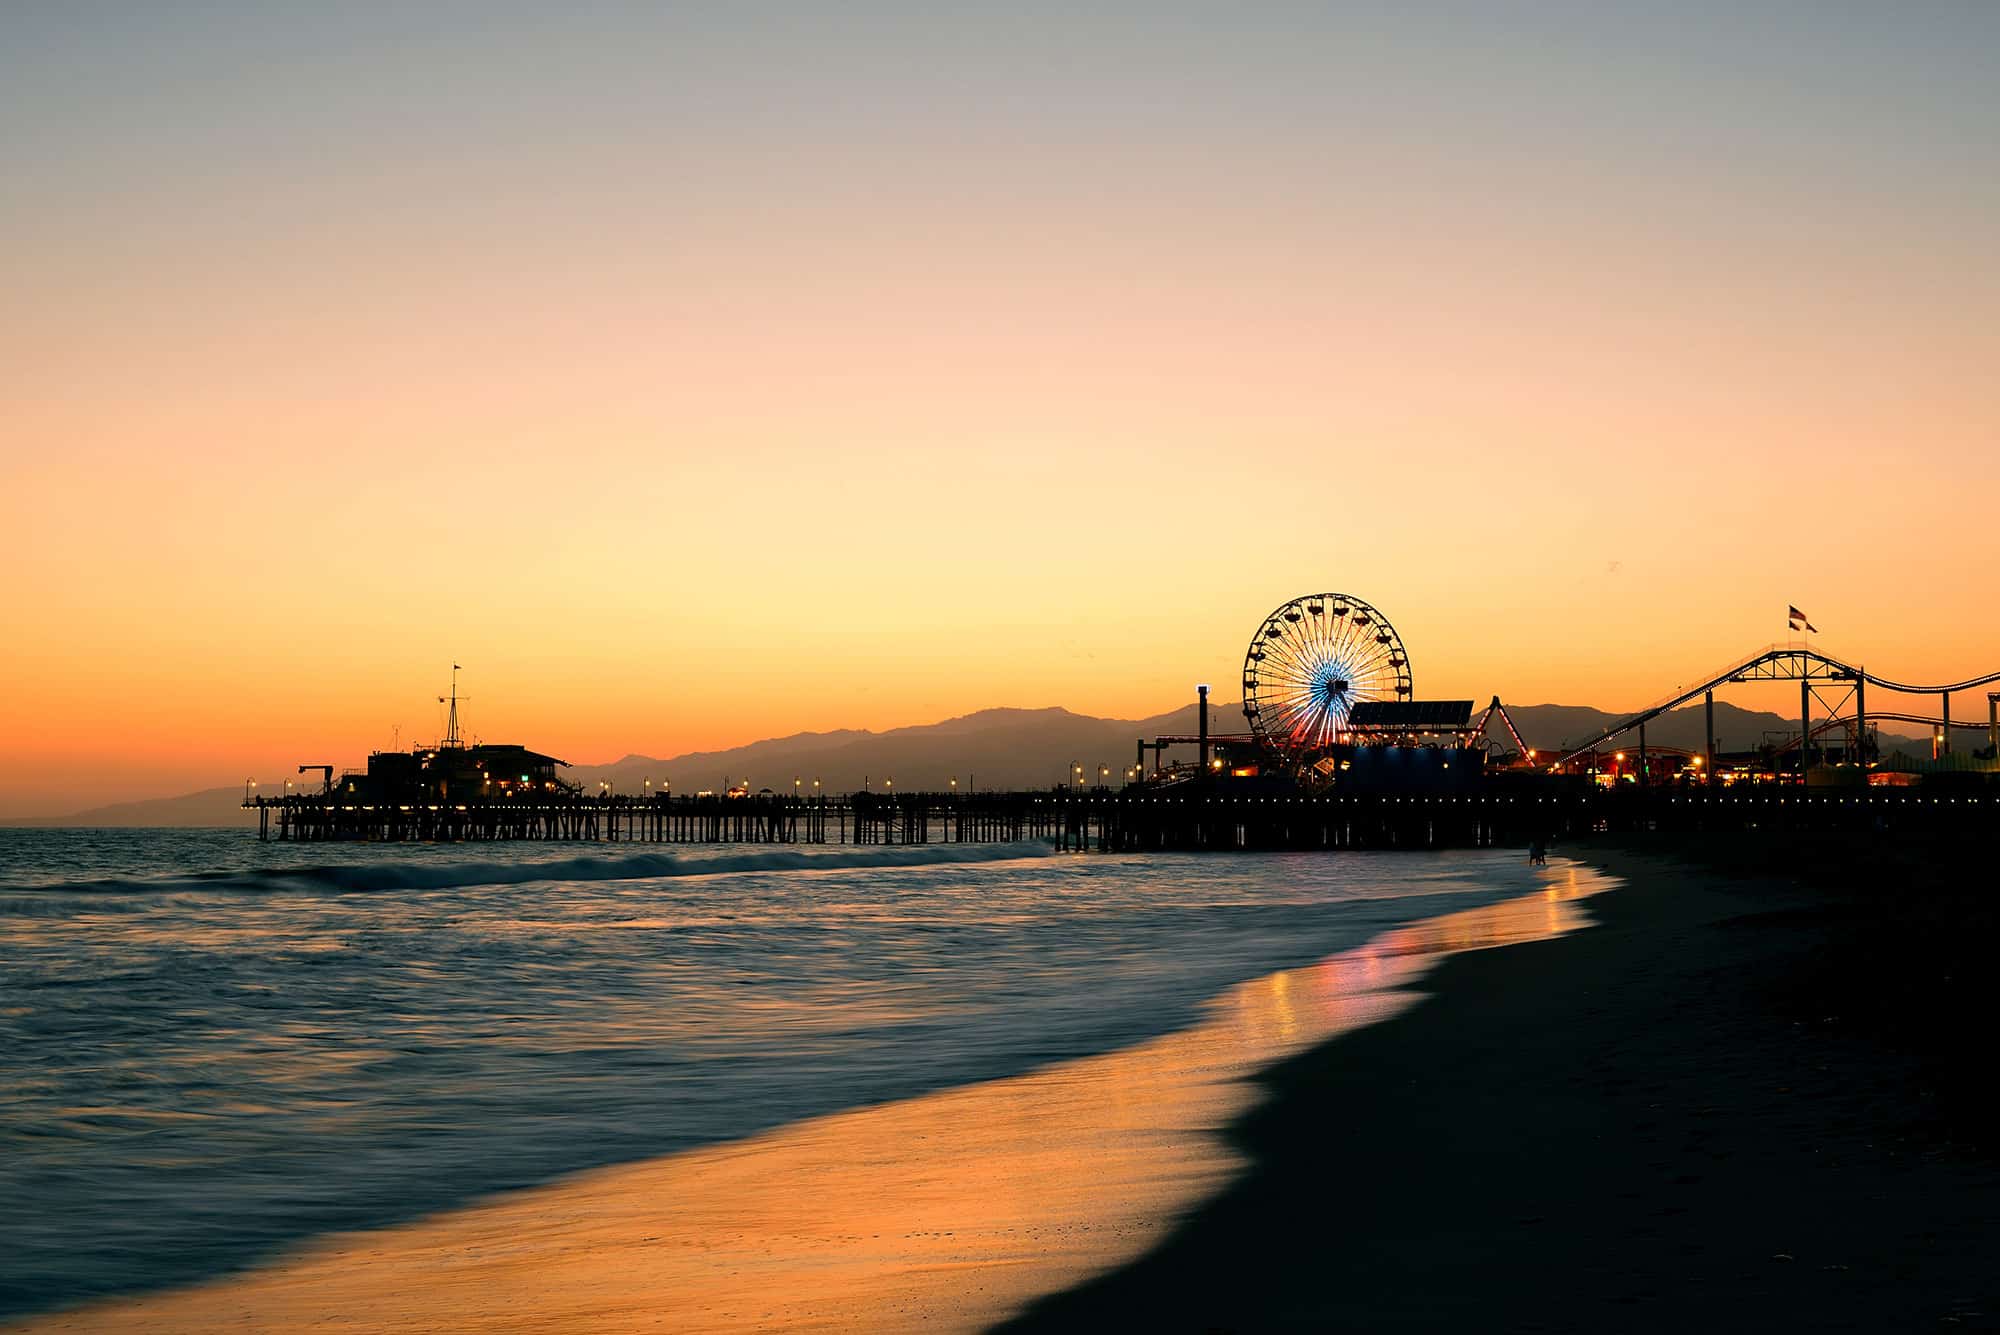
(1426, 723)
(455, 770)
(455, 773)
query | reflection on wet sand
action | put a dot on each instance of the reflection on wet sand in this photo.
(944, 1212)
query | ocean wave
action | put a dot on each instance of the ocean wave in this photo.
(363, 877)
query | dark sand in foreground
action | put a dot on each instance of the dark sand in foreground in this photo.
(1719, 1108)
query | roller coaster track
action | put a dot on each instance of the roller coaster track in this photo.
(1878, 716)
(1780, 662)
(1845, 722)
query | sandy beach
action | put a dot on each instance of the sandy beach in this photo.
(1740, 1102)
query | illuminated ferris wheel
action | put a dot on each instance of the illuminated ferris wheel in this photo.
(1311, 662)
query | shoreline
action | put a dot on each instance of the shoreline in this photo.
(1656, 1123)
(950, 1210)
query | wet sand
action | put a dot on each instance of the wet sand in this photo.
(947, 1212)
(1736, 1103)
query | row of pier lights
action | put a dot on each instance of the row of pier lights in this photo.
(609, 788)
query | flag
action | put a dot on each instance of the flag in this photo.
(1798, 619)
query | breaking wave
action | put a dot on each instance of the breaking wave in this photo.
(362, 877)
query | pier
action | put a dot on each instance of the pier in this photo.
(1340, 754)
(858, 818)
(1135, 820)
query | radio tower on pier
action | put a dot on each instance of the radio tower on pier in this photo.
(451, 737)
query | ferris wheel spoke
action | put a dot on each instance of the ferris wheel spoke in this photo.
(1287, 711)
(1302, 720)
(1385, 656)
(1289, 654)
(1310, 730)
(1375, 661)
(1327, 632)
(1275, 659)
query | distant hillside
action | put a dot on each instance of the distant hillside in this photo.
(209, 807)
(994, 748)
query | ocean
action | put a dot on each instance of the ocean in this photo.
(212, 1049)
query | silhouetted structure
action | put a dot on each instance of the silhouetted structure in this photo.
(1340, 755)
(445, 772)
(1507, 811)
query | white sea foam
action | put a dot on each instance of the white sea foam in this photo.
(430, 875)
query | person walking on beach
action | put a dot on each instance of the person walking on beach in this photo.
(1538, 853)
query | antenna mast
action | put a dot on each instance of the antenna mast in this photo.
(451, 737)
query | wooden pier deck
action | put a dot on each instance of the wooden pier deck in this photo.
(853, 819)
(1130, 821)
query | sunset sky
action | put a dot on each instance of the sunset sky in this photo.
(696, 374)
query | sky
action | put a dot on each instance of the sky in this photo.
(695, 374)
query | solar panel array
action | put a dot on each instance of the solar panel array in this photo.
(1404, 715)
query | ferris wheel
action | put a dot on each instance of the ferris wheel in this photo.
(1311, 662)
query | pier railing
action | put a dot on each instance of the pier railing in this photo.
(857, 818)
(1133, 820)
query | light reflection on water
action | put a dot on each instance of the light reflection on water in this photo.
(193, 1075)
(944, 1212)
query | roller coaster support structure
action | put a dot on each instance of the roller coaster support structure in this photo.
(1840, 686)
(1805, 728)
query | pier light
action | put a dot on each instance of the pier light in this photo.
(1620, 757)
(815, 785)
